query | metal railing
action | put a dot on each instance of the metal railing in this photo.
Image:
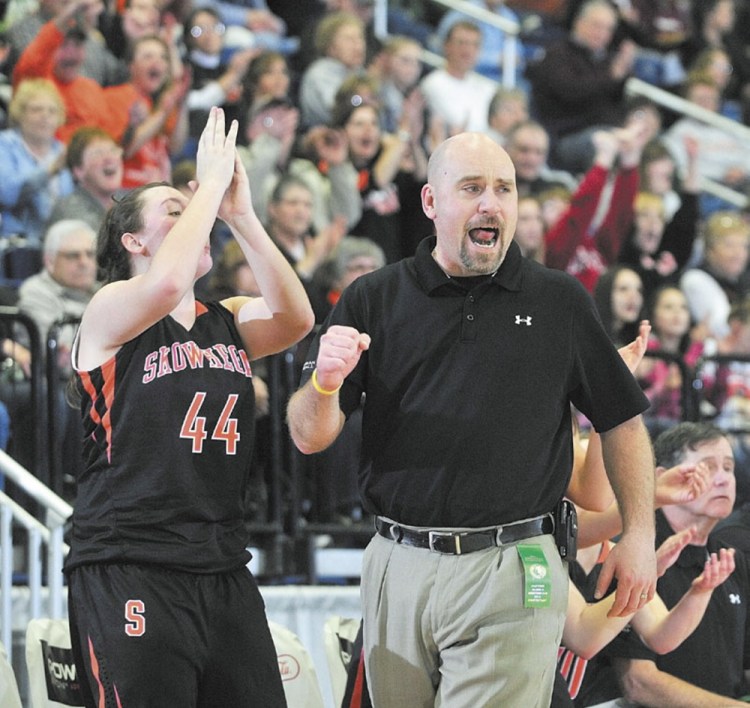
(633, 86)
(481, 15)
(683, 107)
(50, 534)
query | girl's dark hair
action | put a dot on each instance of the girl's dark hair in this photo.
(111, 257)
(603, 301)
(123, 216)
(648, 312)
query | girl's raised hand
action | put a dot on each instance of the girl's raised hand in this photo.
(216, 151)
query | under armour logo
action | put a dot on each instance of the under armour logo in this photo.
(734, 598)
(523, 320)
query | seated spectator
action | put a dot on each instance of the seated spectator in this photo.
(32, 170)
(722, 156)
(322, 161)
(508, 108)
(528, 146)
(266, 80)
(397, 69)
(290, 212)
(62, 290)
(57, 53)
(340, 42)
(708, 668)
(530, 228)
(493, 47)
(661, 379)
(123, 25)
(587, 238)
(455, 95)
(217, 78)
(618, 297)
(554, 201)
(251, 25)
(660, 30)
(679, 197)
(351, 258)
(731, 390)
(718, 25)
(721, 278)
(67, 281)
(95, 161)
(99, 63)
(391, 169)
(588, 628)
(645, 249)
(149, 114)
(577, 88)
(715, 63)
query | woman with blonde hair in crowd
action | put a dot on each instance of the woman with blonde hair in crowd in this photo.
(33, 175)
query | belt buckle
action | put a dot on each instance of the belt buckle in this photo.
(499, 536)
(433, 535)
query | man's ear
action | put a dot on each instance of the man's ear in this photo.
(428, 201)
(131, 242)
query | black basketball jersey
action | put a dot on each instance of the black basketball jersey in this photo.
(168, 435)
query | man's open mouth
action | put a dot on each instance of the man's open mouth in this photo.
(484, 237)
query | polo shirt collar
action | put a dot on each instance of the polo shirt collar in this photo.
(431, 277)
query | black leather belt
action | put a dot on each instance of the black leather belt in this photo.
(456, 543)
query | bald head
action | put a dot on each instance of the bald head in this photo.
(474, 144)
(472, 200)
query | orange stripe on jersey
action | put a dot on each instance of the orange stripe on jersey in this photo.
(108, 390)
(200, 309)
(566, 663)
(95, 673)
(575, 680)
(90, 389)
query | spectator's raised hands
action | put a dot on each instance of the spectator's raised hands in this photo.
(670, 550)
(681, 484)
(717, 569)
(329, 145)
(176, 92)
(632, 353)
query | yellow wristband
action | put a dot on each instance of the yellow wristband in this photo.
(319, 388)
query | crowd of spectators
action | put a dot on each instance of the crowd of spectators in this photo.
(336, 127)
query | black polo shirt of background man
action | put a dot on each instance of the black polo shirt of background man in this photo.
(468, 386)
(715, 655)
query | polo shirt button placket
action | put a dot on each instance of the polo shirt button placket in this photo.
(468, 329)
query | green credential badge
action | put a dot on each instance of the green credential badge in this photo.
(537, 584)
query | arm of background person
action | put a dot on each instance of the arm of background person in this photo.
(644, 684)
(677, 485)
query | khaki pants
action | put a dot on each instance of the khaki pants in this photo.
(452, 632)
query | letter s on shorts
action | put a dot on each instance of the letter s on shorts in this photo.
(136, 621)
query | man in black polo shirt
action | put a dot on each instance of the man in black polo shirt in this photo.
(708, 668)
(469, 357)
